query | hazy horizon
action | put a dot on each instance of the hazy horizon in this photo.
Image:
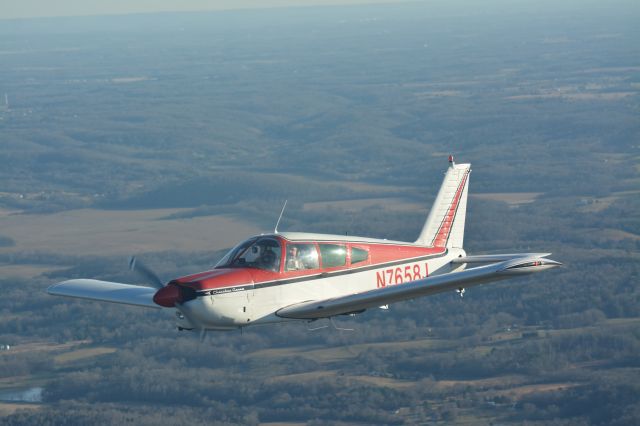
(29, 9)
(39, 9)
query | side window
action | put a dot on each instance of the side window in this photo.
(333, 255)
(301, 257)
(358, 255)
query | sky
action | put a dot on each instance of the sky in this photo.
(16, 9)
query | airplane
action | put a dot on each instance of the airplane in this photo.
(295, 276)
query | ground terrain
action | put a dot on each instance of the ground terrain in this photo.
(172, 136)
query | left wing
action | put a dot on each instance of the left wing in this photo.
(106, 291)
(315, 309)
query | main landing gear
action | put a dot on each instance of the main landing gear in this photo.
(335, 327)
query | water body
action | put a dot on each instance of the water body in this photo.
(32, 394)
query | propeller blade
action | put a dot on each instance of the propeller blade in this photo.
(149, 276)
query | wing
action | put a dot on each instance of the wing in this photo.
(492, 258)
(106, 291)
(358, 302)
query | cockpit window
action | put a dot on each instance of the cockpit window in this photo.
(226, 260)
(262, 253)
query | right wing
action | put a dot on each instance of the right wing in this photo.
(492, 258)
(358, 302)
(106, 291)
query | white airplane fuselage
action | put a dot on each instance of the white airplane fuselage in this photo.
(257, 298)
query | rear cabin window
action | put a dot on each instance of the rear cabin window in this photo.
(333, 255)
(358, 255)
(301, 257)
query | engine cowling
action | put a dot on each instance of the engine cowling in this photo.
(171, 294)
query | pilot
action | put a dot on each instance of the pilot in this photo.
(293, 261)
(268, 259)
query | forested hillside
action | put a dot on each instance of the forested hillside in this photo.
(172, 136)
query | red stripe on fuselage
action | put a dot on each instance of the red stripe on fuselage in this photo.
(217, 278)
(383, 253)
(379, 254)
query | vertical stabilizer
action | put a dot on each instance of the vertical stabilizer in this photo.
(445, 224)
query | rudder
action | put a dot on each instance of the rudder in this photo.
(445, 224)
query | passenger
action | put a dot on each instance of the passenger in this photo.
(293, 261)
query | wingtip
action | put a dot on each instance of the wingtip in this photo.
(530, 265)
(52, 289)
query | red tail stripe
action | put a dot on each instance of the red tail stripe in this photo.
(442, 236)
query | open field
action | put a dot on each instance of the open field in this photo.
(113, 232)
(348, 351)
(518, 392)
(8, 408)
(384, 382)
(395, 204)
(13, 382)
(512, 199)
(31, 347)
(511, 380)
(576, 96)
(617, 235)
(82, 354)
(25, 271)
(598, 204)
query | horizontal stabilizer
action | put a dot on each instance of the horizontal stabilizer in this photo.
(358, 302)
(106, 291)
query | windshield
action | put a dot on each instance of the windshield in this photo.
(262, 253)
(233, 252)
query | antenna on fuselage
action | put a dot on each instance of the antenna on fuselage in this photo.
(275, 230)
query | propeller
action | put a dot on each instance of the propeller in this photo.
(168, 295)
(145, 272)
